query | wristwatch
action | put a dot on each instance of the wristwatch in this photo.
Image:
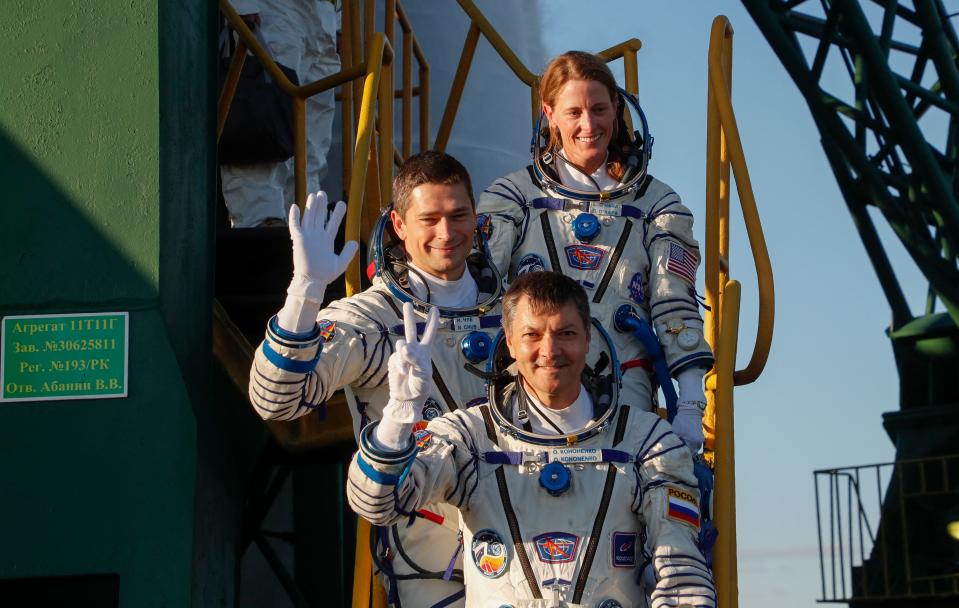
(686, 337)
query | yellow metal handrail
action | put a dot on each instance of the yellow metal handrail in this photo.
(724, 148)
(377, 76)
(479, 24)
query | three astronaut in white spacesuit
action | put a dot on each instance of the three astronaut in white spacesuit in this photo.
(560, 487)
(426, 253)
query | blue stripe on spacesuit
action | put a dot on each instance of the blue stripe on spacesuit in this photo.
(653, 211)
(665, 234)
(273, 381)
(277, 413)
(675, 482)
(688, 359)
(385, 479)
(451, 599)
(679, 446)
(708, 583)
(295, 392)
(376, 500)
(698, 560)
(290, 365)
(670, 300)
(693, 310)
(516, 195)
(648, 435)
(385, 504)
(375, 360)
(562, 204)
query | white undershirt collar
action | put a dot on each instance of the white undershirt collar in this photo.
(572, 178)
(570, 419)
(459, 293)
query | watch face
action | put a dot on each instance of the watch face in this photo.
(687, 339)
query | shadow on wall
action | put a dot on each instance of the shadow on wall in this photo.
(107, 489)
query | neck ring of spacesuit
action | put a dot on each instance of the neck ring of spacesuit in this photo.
(390, 262)
(637, 158)
(601, 379)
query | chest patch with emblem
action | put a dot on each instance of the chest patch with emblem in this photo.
(422, 438)
(556, 547)
(489, 553)
(530, 263)
(624, 549)
(431, 409)
(327, 329)
(584, 257)
(484, 225)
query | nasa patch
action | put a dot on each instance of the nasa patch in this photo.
(556, 547)
(484, 225)
(584, 257)
(327, 329)
(431, 409)
(530, 263)
(636, 291)
(489, 553)
(624, 549)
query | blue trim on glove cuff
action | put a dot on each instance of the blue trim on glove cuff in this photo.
(379, 455)
(283, 334)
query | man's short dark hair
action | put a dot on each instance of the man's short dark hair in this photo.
(429, 167)
(547, 292)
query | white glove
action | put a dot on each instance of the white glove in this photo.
(688, 423)
(314, 264)
(410, 379)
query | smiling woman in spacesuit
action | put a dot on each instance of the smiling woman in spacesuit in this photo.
(587, 207)
(561, 489)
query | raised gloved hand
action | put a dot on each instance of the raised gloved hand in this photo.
(315, 265)
(688, 423)
(410, 379)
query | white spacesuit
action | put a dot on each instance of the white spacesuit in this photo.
(550, 520)
(300, 34)
(348, 347)
(630, 246)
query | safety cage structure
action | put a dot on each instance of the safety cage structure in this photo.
(868, 542)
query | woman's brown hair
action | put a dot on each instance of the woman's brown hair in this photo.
(580, 65)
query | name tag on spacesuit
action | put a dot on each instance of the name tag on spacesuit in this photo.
(466, 324)
(575, 455)
(607, 209)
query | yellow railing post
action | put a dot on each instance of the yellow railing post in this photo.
(724, 493)
(724, 151)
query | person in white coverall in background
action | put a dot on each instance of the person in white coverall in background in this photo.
(586, 207)
(300, 34)
(424, 250)
(560, 488)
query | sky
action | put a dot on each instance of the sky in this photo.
(831, 373)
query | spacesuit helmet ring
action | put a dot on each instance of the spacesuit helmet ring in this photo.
(601, 378)
(637, 150)
(390, 263)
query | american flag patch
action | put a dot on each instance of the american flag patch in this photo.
(682, 506)
(682, 263)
